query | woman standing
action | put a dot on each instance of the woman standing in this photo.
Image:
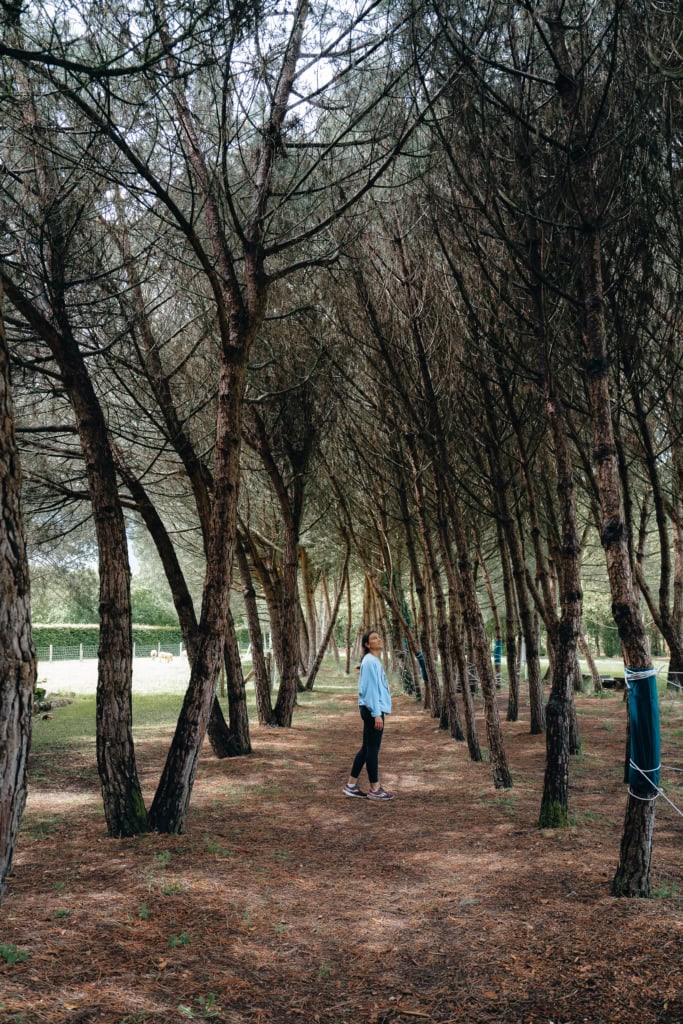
(374, 701)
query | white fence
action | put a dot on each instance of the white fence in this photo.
(88, 652)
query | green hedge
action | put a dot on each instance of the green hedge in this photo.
(144, 637)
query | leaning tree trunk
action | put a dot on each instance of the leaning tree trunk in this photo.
(224, 742)
(328, 610)
(590, 661)
(231, 740)
(526, 619)
(312, 623)
(324, 642)
(347, 638)
(510, 628)
(632, 877)
(502, 778)
(172, 797)
(497, 630)
(264, 708)
(514, 547)
(121, 793)
(461, 671)
(426, 632)
(289, 667)
(17, 654)
(124, 807)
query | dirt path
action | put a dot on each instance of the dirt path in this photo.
(286, 902)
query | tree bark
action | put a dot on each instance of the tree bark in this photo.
(231, 740)
(632, 876)
(17, 653)
(510, 628)
(264, 707)
(536, 711)
(330, 627)
(347, 664)
(169, 808)
(124, 807)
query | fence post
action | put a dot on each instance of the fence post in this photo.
(180, 649)
(133, 650)
(50, 657)
(80, 652)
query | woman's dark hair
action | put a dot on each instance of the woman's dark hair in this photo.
(364, 642)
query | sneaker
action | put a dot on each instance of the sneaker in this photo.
(380, 794)
(353, 790)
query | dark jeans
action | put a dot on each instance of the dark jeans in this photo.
(369, 753)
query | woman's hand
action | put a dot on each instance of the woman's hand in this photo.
(379, 723)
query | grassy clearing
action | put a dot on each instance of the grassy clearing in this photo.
(74, 724)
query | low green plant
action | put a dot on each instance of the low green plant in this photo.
(11, 955)
(59, 886)
(508, 802)
(207, 1004)
(206, 1009)
(143, 912)
(213, 847)
(324, 971)
(665, 891)
(39, 826)
(280, 929)
(163, 859)
(179, 940)
(173, 889)
(62, 913)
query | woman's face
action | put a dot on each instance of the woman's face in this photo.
(375, 644)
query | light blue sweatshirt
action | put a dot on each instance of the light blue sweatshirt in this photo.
(373, 688)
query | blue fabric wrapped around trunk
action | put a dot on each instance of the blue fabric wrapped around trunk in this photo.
(644, 739)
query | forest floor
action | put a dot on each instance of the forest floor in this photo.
(287, 902)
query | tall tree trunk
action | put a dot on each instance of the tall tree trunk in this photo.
(510, 628)
(328, 611)
(224, 742)
(231, 740)
(17, 653)
(272, 592)
(312, 624)
(347, 665)
(330, 626)
(497, 630)
(425, 617)
(514, 548)
(172, 798)
(632, 876)
(264, 707)
(289, 669)
(455, 613)
(590, 661)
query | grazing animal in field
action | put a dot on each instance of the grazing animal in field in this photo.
(153, 654)
(165, 656)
